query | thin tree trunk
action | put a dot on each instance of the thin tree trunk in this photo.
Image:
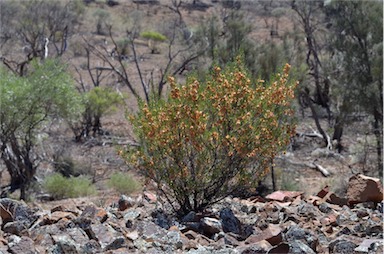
(377, 131)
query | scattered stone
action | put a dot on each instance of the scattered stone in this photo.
(296, 225)
(150, 197)
(125, 202)
(363, 188)
(297, 233)
(210, 226)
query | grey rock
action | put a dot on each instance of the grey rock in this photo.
(107, 237)
(297, 233)
(255, 248)
(132, 214)
(297, 246)
(342, 246)
(174, 238)
(162, 219)
(369, 246)
(65, 244)
(15, 227)
(12, 210)
(91, 247)
(21, 245)
(229, 221)
(190, 217)
(324, 208)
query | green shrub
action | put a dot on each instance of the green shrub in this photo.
(123, 183)
(153, 39)
(206, 140)
(150, 35)
(61, 187)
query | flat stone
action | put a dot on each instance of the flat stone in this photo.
(368, 245)
(150, 197)
(272, 234)
(58, 215)
(283, 196)
(363, 188)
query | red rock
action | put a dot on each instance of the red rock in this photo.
(125, 202)
(101, 215)
(315, 200)
(330, 219)
(283, 196)
(58, 215)
(272, 234)
(257, 199)
(150, 197)
(323, 192)
(174, 228)
(363, 188)
(191, 235)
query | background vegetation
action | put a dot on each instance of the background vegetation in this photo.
(71, 70)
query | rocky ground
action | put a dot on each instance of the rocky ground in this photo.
(282, 222)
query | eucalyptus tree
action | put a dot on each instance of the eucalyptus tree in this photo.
(26, 105)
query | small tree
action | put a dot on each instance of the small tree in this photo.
(208, 140)
(97, 103)
(102, 17)
(26, 103)
(153, 39)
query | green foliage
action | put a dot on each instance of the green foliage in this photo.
(67, 166)
(122, 46)
(102, 18)
(27, 102)
(358, 51)
(123, 183)
(209, 139)
(151, 35)
(153, 39)
(102, 100)
(61, 187)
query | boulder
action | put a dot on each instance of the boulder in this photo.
(363, 188)
(229, 221)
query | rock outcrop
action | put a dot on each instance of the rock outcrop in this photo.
(285, 222)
